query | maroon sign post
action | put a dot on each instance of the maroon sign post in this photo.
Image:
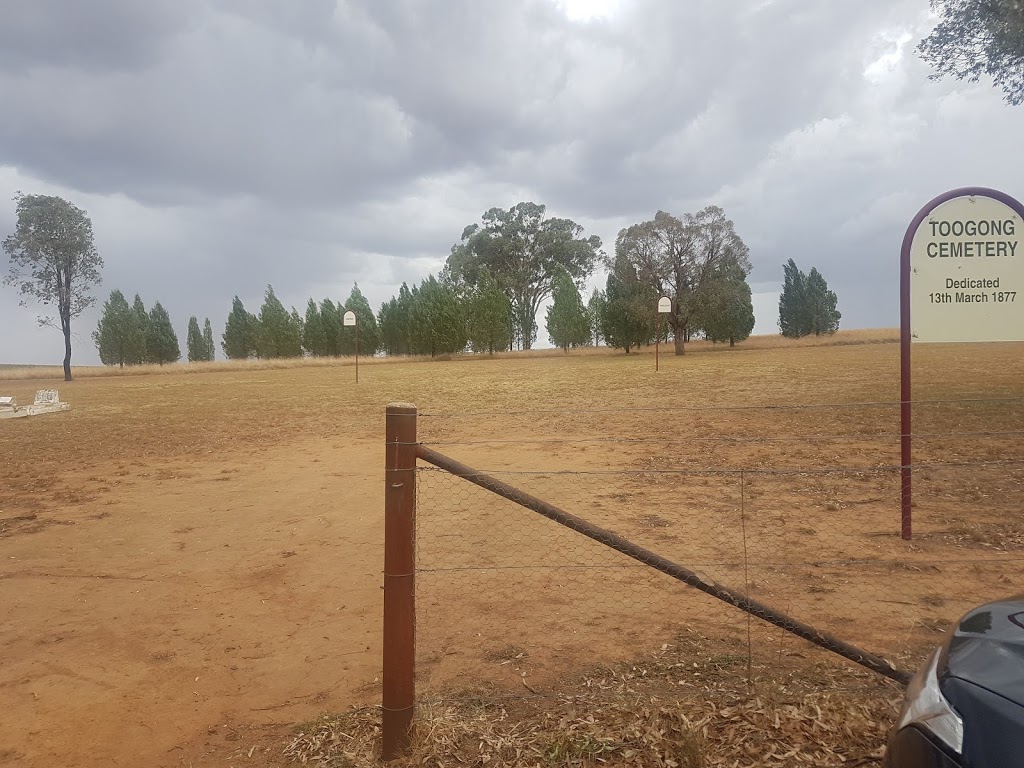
(962, 274)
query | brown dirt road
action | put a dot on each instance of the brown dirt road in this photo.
(196, 597)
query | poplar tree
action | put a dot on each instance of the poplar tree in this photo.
(194, 341)
(208, 345)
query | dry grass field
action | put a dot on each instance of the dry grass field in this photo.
(191, 557)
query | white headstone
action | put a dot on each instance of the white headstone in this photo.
(664, 305)
(47, 397)
(350, 318)
(46, 401)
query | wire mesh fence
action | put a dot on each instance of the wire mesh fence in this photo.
(512, 603)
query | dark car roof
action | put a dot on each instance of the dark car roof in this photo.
(987, 648)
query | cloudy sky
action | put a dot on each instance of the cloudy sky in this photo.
(221, 145)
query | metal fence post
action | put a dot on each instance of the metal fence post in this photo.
(399, 580)
(906, 392)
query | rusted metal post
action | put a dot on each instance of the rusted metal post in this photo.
(399, 580)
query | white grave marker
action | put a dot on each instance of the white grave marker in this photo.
(46, 401)
(664, 308)
(350, 320)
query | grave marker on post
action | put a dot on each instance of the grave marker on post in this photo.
(350, 320)
(961, 280)
(664, 308)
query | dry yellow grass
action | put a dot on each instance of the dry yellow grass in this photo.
(259, 484)
(632, 714)
(46, 372)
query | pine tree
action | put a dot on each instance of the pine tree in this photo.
(727, 312)
(793, 302)
(292, 346)
(822, 315)
(330, 321)
(489, 316)
(239, 338)
(628, 318)
(566, 318)
(437, 319)
(139, 335)
(208, 345)
(595, 311)
(394, 321)
(806, 305)
(313, 340)
(391, 328)
(161, 342)
(277, 334)
(369, 333)
(113, 334)
(194, 341)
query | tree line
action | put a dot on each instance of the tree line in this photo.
(486, 298)
(129, 335)
(495, 279)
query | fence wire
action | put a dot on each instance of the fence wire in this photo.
(513, 601)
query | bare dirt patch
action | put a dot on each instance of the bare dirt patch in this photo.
(191, 562)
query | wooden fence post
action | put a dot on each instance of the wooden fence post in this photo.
(399, 580)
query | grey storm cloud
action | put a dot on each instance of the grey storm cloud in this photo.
(220, 145)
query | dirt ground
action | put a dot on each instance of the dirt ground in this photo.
(191, 561)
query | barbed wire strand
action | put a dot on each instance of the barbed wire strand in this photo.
(881, 564)
(699, 408)
(736, 471)
(721, 438)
